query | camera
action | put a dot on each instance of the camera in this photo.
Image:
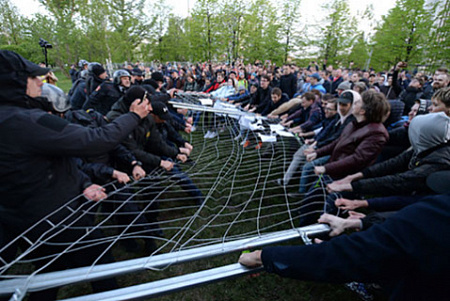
(44, 44)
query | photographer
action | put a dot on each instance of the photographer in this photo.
(50, 77)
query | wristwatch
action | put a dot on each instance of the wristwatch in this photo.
(134, 163)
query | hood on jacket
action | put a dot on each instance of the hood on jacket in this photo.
(14, 73)
(428, 131)
(353, 97)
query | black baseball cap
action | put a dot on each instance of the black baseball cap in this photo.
(13, 62)
(137, 72)
(346, 97)
(160, 110)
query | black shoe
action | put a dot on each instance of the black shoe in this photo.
(200, 200)
(156, 231)
(150, 246)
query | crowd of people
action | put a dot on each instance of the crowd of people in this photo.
(373, 138)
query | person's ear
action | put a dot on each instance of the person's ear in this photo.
(362, 111)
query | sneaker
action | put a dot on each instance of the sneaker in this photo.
(193, 129)
(360, 290)
(237, 137)
(295, 195)
(280, 182)
(246, 143)
(213, 135)
(259, 145)
(207, 135)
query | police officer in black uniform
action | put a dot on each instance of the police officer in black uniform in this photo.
(137, 77)
(96, 76)
(77, 94)
(108, 93)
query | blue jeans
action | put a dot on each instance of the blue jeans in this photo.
(196, 117)
(308, 176)
(318, 201)
(185, 182)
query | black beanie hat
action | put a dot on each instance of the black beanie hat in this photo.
(157, 76)
(151, 82)
(135, 92)
(98, 69)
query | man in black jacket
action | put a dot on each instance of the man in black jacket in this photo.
(145, 142)
(411, 94)
(38, 176)
(96, 76)
(77, 94)
(277, 99)
(288, 82)
(161, 115)
(103, 98)
(51, 177)
(262, 96)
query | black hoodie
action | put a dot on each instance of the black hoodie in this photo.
(37, 172)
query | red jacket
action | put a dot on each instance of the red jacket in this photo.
(214, 86)
(357, 147)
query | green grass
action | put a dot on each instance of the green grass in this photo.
(63, 82)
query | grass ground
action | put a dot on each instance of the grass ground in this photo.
(63, 82)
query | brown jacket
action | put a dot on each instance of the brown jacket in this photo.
(357, 147)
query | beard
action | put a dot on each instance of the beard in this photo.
(437, 86)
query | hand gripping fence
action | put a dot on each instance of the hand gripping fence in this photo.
(242, 208)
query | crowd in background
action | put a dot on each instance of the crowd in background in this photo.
(371, 138)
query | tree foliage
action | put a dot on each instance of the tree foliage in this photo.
(289, 24)
(403, 34)
(359, 53)
(338, 33)
(10, 24)
(125, 30)
(438, 53)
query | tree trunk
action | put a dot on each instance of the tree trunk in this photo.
(286, 48)
(208, 22)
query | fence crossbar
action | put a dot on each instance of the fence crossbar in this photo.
(60, 278)
(170, 285)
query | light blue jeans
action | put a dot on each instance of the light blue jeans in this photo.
(308, 176)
